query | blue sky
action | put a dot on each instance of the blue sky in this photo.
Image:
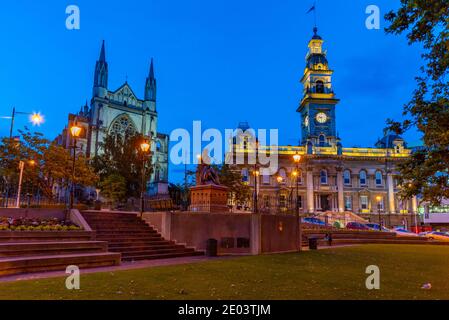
(220, 61)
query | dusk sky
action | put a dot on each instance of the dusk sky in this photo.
(218, 61)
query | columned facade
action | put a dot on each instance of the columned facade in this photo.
(334, 178)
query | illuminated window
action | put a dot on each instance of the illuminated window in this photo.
(364, 202)
(348, 203)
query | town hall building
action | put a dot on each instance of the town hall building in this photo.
(121, 112)
(331, 177)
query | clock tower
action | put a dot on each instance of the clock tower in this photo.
(317, 107)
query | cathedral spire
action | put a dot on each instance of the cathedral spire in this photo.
(101, 74)
(102, 53)
(150, 86)
(152, 69)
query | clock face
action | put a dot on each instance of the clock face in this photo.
(321, 117)
(306, 121)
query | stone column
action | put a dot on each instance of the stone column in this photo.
(341, 194)
(390, 185)
(310, 194)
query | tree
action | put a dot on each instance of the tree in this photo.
(122, 156)
(426, 172)
(113, 187)
(45, 163)
(240, 191)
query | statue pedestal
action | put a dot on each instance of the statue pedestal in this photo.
(209, 198)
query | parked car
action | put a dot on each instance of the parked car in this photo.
(375, 227)
(404, 232)
(436, 235)
(314, 221)
(356, 226)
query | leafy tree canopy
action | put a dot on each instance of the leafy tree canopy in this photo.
(425, 22)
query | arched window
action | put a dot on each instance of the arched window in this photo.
(347, 177)
(379, 178)
(123, 126)
(319, 86)
(322, 140)
(323, 177)
(362, 178)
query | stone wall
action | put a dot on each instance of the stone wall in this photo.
(244, 233)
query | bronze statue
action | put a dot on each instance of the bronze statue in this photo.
(206, 174)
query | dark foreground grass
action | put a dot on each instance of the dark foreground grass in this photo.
(327, 274)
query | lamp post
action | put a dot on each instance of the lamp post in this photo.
(297, 159)
(35, 118)
(19, 189)
(145, 148)
(379, 199)
(256, 177)
(75, 131)
(279, 180)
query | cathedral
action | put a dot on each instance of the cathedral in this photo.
(330, 177)
(121, 112)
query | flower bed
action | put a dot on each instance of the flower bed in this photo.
(36, 224)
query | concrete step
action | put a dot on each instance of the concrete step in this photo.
(24, 236)
(126, 232)
(126, 254)
(17, 265)
(163, 256)
(51, 248)
(123, 244)
(127, 238)
(130, 248)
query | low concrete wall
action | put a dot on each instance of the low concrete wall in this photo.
(236, 233)
(278, 233)
(32, 213)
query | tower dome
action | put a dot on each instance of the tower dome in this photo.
(316, 58)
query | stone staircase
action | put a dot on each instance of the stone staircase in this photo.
(25, 252)
(129, 235)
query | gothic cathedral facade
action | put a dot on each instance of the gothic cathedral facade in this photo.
(121, 112)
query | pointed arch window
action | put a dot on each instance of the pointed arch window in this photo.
(123, 126)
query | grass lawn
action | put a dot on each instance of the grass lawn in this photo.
(326, 274)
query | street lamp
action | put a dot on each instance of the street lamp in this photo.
(256, 177)
(379, 199)
(75, 130)
(145, 148)
(297, 159)
(34, 117)
(19, 189)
